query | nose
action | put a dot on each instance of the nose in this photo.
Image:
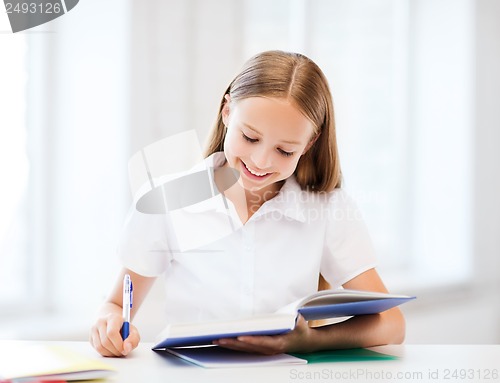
(261, 157)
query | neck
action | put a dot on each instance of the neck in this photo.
(247, 202)
(256, 198)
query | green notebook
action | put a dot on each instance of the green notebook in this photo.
(347, 355)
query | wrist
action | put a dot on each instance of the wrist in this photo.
(306, 342)
(314, 340)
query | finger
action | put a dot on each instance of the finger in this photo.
(254, 346)
(301, 320)
(106, 347)
(132, 340)
(113, 332)
(234, 344)
(301, 323)
(105, 335)
(95, 341)
(273, 344)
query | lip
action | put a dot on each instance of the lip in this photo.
(253, 176)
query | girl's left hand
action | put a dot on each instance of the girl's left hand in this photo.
(297, 340)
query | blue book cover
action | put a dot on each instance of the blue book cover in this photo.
(324, 304)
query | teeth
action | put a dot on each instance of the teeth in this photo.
(255, 173)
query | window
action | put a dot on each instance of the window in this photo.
(403, 151)
(66, 116)
(14, 166)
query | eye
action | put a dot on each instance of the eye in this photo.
(248, 138)
(286, 154)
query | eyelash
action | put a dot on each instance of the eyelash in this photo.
(253, 140)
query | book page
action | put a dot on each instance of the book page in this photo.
(217, 357)
(326, 297)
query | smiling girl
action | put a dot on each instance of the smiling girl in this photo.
(298, 230)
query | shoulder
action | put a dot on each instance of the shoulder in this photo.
(336, 205)
(335, 199)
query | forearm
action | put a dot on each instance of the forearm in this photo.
(114, 302)
(360, 331)
(109, 307)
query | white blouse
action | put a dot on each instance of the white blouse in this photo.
(217, 268)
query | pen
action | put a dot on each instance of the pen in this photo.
(127, 305)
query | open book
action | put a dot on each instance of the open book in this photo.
(320, 305)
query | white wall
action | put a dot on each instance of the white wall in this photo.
(172, 90)
(470, 313)
(78, 97)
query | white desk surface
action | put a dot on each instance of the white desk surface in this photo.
(417, 363)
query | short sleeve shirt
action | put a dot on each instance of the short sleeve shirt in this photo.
(215, 267)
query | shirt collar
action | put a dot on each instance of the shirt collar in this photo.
(287, 202)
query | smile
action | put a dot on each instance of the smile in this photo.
(253, 172)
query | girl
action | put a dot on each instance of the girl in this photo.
(298, 230)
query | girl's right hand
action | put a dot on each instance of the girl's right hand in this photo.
(106, 338)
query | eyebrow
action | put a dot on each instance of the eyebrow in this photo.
(260, 134)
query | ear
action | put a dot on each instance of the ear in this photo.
(310, 143)
(225, 109)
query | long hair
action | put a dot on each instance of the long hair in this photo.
(295, 77)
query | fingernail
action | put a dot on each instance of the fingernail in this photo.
(127, 349)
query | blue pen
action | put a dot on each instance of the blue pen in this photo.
(127, 305)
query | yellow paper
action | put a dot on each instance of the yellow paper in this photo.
(20, 359)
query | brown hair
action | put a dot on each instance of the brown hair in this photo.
(295, 77)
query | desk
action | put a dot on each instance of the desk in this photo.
(417, 363)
